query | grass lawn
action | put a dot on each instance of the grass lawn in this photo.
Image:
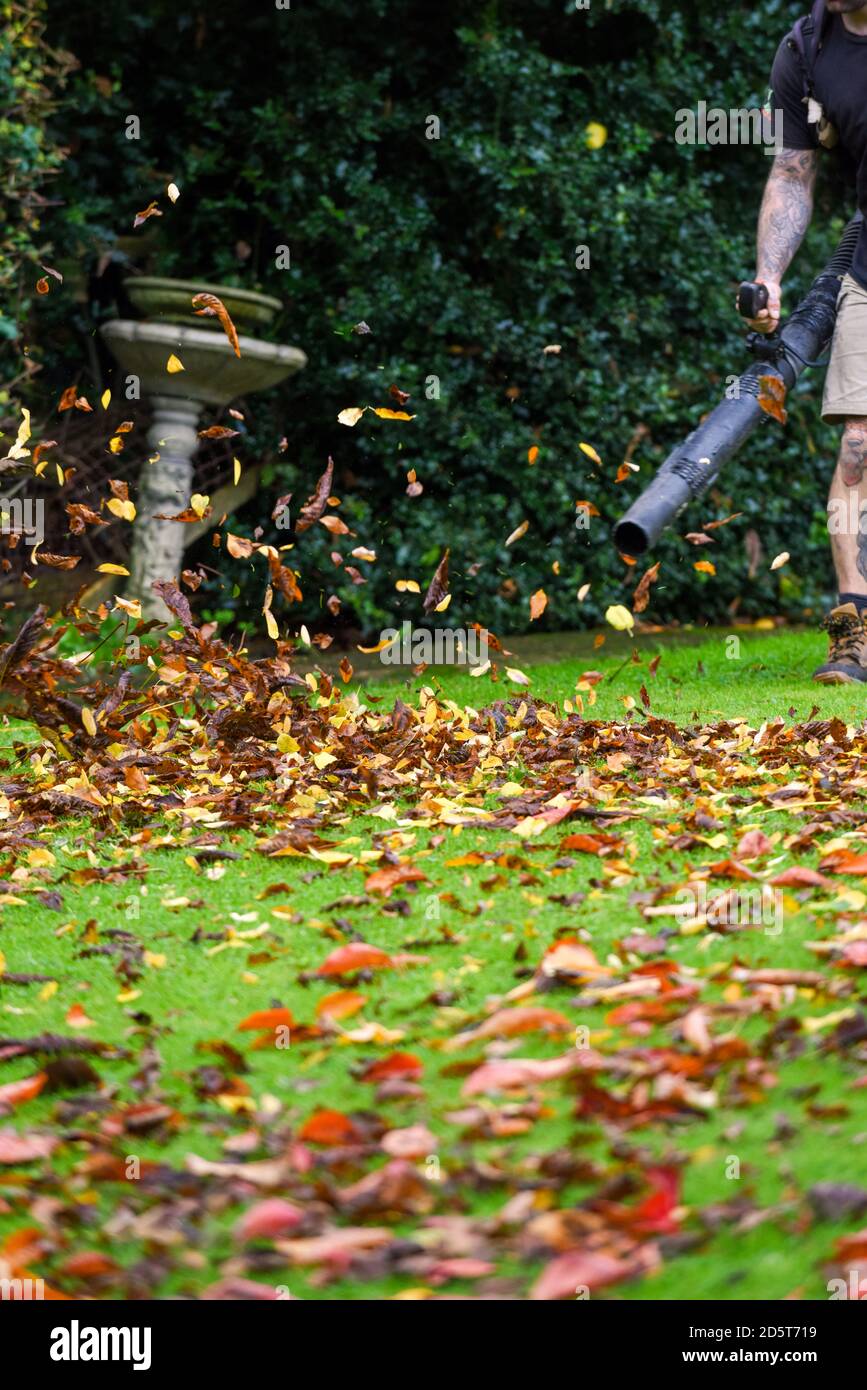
(682, 1163)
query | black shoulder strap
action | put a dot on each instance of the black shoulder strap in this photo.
(806, 39)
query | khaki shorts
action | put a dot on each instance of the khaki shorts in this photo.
(846, 381)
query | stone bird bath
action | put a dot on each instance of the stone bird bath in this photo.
(212, 376)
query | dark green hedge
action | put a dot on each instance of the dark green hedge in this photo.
(307, 127)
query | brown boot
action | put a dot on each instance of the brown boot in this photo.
(847, 655)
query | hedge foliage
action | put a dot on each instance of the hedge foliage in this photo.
(309, 128)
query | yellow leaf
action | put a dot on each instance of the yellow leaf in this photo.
(237, 467)
(18, 451)
(780, 560)
(125, 509)
(270, 620)
(105, 398)
(174, 364)
(40, 858)
(115, 444)
(443, 604)
(381, 646)
(620, 618)
(88, 721)
(111, 569)
(409, 586)
(590, 452)
(583, 592)
(385, 414)
(47, 991)
(595, 136)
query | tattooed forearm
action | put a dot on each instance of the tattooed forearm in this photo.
(786, 211)
(853, 454)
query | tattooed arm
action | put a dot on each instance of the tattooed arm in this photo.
(785, 216)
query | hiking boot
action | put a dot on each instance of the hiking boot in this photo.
(847, 655)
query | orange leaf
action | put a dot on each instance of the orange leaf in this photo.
(329, 1127)
(77, 1017)
(17, 1091)
(356, 956)
(772, 397)
(266, 1019)
(538, 604)
(212, 305)
(386, 880)
(641, 597)
(342, 1004)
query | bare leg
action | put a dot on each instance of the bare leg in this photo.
(847, 526)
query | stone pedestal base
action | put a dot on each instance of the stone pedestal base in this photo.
(164, 487)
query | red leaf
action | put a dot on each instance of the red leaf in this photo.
(404, 1064)
(798, 877)
(269, 1219)
(578, 1270)
(24, 1148)
(654, 1213)
(753, 845)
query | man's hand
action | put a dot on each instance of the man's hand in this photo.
(768, 319)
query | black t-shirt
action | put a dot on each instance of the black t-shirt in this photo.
(840, 84)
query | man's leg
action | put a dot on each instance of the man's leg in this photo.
(845, 403)
(846, 503)
(847, 525)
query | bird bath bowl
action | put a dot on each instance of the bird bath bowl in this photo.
(169, 301)
(212, 375)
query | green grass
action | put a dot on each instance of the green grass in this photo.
(746, 671)
(485, 936)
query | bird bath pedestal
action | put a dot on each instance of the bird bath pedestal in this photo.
(212, 376)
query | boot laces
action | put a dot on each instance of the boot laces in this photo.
(846, 634)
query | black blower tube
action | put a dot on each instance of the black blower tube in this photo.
(694, 465)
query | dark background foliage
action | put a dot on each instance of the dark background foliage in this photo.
(307, 127)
